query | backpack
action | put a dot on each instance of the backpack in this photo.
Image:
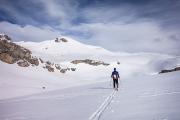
(115, 76)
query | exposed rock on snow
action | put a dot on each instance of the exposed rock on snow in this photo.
(61, 40)
(4, 37)
(73, 69)
(90, 62)
(43, 87)
(118, 62)
(57, 66)
(63, 70)
(7, 58)
(11, 53)
(170, 70)
(41, 60)
(49, 68)
(23, 63)
(48, 63)
(33, 61)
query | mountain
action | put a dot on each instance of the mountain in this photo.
(48, 64)
(63, 49)
(64, 62)
(65, 79)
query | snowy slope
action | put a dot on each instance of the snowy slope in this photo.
(18, 81)
(144, 94)
(144, 97)
(63, 51)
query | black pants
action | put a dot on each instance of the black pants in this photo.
(115, 83)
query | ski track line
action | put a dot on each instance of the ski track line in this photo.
(97, 114)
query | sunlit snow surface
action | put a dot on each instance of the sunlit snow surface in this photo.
(143, 94)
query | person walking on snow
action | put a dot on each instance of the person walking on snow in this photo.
(115, 77)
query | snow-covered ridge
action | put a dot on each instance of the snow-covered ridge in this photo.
(57, 55)
(152, 95)
(70, 47)
(12, 53)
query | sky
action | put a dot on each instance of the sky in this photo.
(116, 25)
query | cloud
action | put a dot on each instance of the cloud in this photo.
(18, 13)
(163, 12)
(28, 32)
(133, 37)
(117, 25)
(63, 11)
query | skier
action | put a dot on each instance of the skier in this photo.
(115, 77)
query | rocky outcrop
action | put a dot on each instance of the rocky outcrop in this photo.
(90, 62)
(64, 40)
(33, 61)
(41, 60)
(7, 58)
(73, 69)
(170, 70)
(63, 70)
(61, 40)
(57, 66)
(23, 63)
(12, 53)
(51, 67)
(118, 62)
(4, 37)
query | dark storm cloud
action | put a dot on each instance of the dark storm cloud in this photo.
(17, 12)
(165, 12)
(24, 12)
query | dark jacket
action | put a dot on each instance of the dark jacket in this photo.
(116, 74)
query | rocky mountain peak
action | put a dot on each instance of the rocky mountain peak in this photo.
(58, 40)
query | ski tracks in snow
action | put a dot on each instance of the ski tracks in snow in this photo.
(97, 114)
